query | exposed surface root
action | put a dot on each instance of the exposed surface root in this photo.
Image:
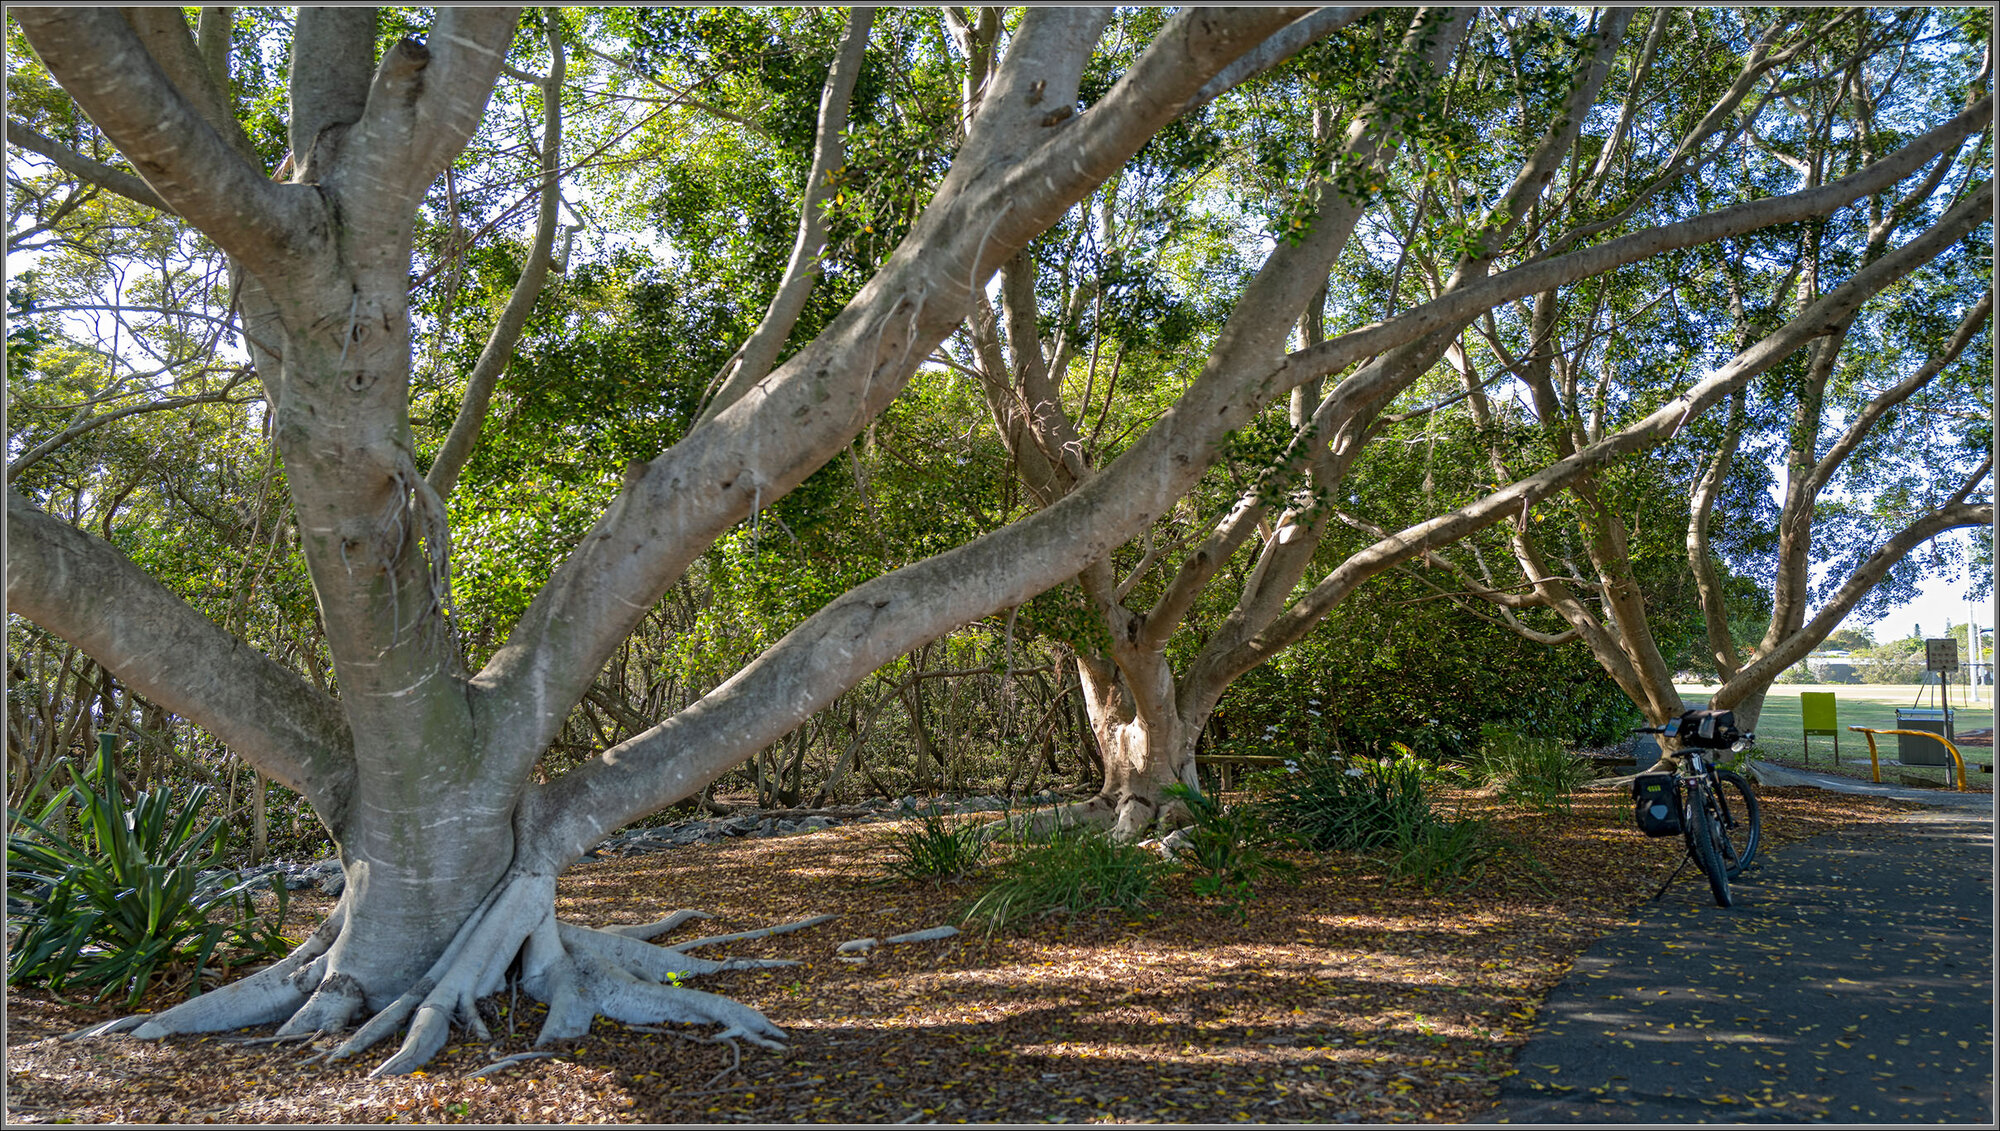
(266, 996)
(509, 1062)
(337, 1001)
(656, 929)
(765, 933)
(581, 973)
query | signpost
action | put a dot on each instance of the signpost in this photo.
(1941, 656)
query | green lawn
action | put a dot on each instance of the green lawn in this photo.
(1780, 738)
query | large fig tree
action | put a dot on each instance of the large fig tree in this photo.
(424, 771)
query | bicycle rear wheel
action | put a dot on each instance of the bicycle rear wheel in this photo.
(1742, 821)
(1703, 832)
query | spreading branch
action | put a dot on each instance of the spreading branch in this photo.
(99, 60)
(754, 360)
(155, 643)
(499, 350)
(107, 177)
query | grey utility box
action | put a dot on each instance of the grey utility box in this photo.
(1917, 751)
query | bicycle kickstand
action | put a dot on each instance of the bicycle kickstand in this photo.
(1685, 857)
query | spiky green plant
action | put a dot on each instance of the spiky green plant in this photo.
(114, 903)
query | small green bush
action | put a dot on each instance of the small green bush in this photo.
(1443, 854)
(1536, 772)
(115, 903)
(1224, 849)
(1334, 804)
(1076, 871)
(936, 850)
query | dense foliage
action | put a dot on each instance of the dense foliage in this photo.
(689, 134)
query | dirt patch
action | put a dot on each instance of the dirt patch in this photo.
(1347, 998)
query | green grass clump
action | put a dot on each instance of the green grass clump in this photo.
(1336, 805)
(1076, 871)
(1443, 854)
(1382, 810)
(937, 850)
(1224, 849)
(1536, 772)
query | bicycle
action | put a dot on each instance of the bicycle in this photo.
(1713, 809)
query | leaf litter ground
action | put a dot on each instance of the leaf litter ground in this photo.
(1344, 999)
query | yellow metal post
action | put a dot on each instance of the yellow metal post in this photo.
(1957, 759)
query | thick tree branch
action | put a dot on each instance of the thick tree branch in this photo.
(83, 590)
(753, 362)
(164, 32)
(333, 57)
(212, 36)
(424, 104)
(102, 64)
(1759, 673)
(1701, 505)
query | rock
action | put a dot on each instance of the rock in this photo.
(1167, 845)
(928, 935)
(858, 946)
(334, 884)
(818, 822)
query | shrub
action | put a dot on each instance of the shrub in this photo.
(1077, 871)
(1443, 854)
(1224, 849)
(115, 903)
(1537, 772)
(1333, 804)
(936, 850)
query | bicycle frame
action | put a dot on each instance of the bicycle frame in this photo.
(1705, 808)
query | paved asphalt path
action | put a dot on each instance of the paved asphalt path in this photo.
(1851, 983)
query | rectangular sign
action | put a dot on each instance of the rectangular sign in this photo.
(1819, 712)
(1941, 655)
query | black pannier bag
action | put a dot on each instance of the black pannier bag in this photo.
(1656, 804)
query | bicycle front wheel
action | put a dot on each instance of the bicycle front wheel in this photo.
(1704, 835)
(1742, 821)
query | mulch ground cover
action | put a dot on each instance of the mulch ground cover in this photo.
(1347, 998)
